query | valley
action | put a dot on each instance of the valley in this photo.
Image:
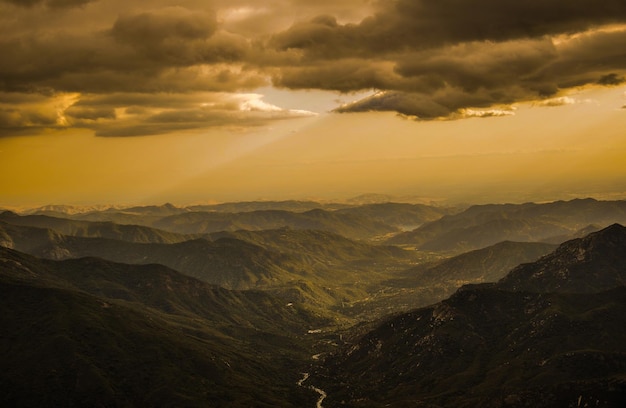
(384, 304)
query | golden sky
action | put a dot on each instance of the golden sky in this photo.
(137, 102)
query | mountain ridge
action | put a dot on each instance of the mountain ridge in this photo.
(483, 225)
(128, 335)
(499, 345)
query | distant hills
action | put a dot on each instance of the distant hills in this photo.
(484, 225)
(400, 215)
(421, 226)
(356, 222)
(314, 267)
(110, 230)
(227, 262)
(348, 225)
(549, 334)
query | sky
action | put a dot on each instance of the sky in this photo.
(193, 101)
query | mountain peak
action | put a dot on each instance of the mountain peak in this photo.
(594, 263)
(613, 229)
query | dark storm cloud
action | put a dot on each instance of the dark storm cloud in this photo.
(418, 24)
(611, 79)
(445, 103)
(138, 52)
(14, 118)
(177, 36)
(484, 74)
(476, 65)
(107, 65)
(588, 58)
(341, 75)
(84, 113)
(452, 54)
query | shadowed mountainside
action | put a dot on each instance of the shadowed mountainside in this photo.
(585, 265)
(494, 345)
(142, 336)
(227, 262)
(313, 267)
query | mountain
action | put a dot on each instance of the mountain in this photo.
(203, 222)
(481, 265)
(488, 348)
(350, 226)
(558, 239)
(585, 265)
(300, 266)
(431, 282)
(374, 198)
(248, 206)
(155, 210)
(317, 247)
(226, 262)
(65, 226)
(357, 222)
(401, 215)
(484, 225)
(67, 209)
(549, 334)
(94, 333)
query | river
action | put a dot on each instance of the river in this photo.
(322, 394)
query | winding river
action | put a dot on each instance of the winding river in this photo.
(322, 394)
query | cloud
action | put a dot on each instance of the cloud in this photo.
(485, 113)
(437, 82)
(611, 79)
(560, 101)
(431, 60)
(420, 24)
(23, 113)
(138, 114)
(137, 50)
(431, 56)
(145, 114)
(174, 35)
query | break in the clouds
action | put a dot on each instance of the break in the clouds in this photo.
(426, 59)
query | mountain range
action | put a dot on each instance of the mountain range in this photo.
(96, 229)
(315, 267)
(286, 308)
(483, 225)
(90, 332)
(550, 334)
(357, 222)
